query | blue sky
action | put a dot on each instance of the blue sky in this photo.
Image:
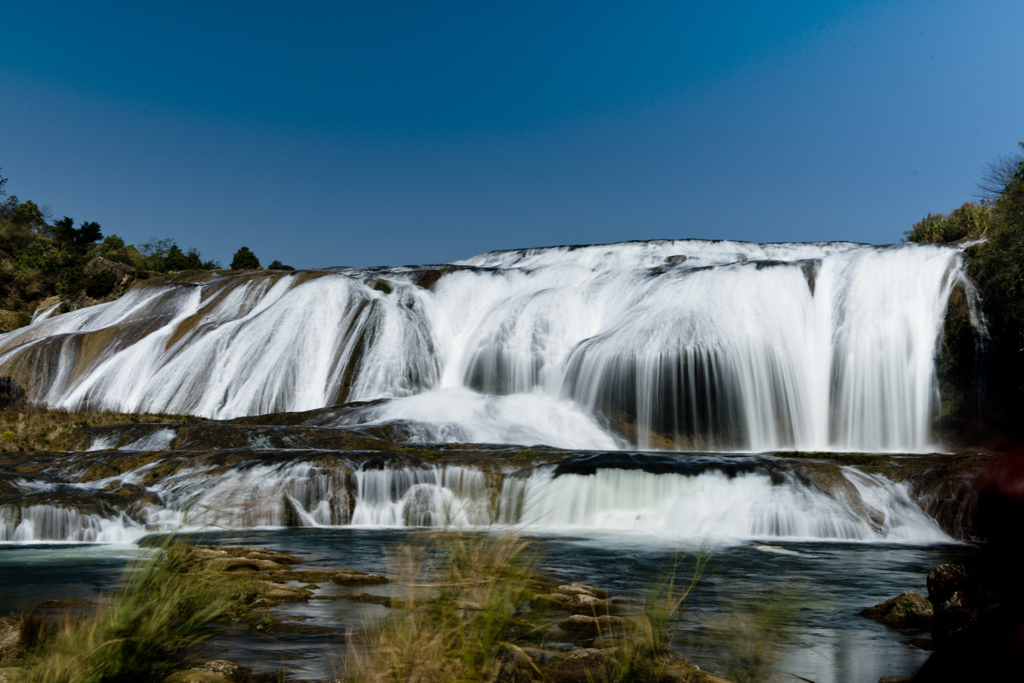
(390, 133)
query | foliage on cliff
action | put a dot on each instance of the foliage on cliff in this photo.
(997, 267)
(42, 258)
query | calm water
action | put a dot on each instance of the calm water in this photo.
(831, 582)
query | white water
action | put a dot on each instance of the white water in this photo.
(49, 523)
(658, 345)
(663, 506)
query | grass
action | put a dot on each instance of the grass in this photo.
(475, 587)
(144, 634)
(466, 618)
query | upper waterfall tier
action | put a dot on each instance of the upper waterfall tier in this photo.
(676, 345)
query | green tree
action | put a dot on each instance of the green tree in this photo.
(244, 260)
(112, 244)
(277, 265)
(176, 259)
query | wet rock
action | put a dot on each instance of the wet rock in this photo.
(348, 577)
(896, 679)
(580, 666)
(909, 608)
(130, 491)
(366, 597)
(380, 285)
(580, 622)
(572, 589)
(587, 604)
(922, 643)
(229, 670)
(242, 564)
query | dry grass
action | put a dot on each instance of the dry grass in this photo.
(28, 427)
(466, 618)
(461, 608)
(142, 635)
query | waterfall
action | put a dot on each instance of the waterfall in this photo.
(664, 345)
(666, 498)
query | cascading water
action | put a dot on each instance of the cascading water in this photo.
(674, 345)
(659, 497)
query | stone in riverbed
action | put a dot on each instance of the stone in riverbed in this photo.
(579, 588)
(586, 604)
(348, 577)
(909, 608)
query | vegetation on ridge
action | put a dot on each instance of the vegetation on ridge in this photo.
(43, 261)
(997, 268)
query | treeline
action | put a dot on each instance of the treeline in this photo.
(997, 268)
(42, 260)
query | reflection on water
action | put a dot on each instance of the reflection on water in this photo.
(834, 581)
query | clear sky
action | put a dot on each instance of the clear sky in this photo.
(386, 133)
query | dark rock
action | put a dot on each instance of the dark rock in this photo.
(366, 597)
(959, 597)
(895, 679)
(60, 604)
(922, 643)
(909, 608)
(380, 285)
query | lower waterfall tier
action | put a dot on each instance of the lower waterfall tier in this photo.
(117, 496)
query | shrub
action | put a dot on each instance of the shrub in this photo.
(100, 284)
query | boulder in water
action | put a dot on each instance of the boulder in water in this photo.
(909, 608)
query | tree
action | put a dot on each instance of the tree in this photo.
(112, 244)
(277, 265)
(75, 239)
(176, 259)
(244, 260)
